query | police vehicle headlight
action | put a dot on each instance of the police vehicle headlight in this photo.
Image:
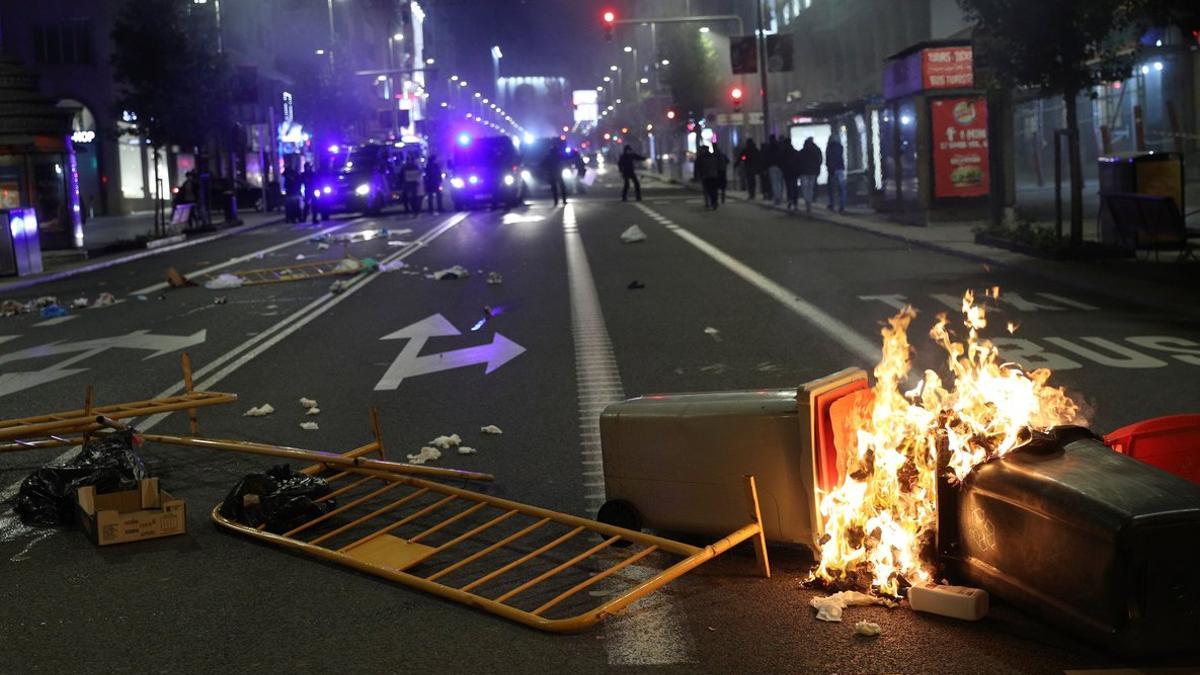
(567, 173)
(473, 180)
(526, 176)
(509, 180)
(457, 183)
(362, 190)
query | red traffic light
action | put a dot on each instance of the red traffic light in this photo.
(609, 16)
(736, 93)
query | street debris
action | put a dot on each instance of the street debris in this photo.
(633, 235)
(829, 608)
(426, 454)
(309, 426)
(260, 411)
(300, 256)
(716, 334)
(323, 246)
(400, 232)
(392, 266)
(307, 402)
(105, 299)
(280, 498)
(175, 279)
(339, 286)
(53, 311)
(79, 303)
(635, 285)
(47, 496)
(220, 282)
(446, 442)
(455, 272)
(350, 265)
(494, 279)
(466, 450)
(398, 243)
(13, 308)
(868, 629)
(313, 411)
(219, 300)
(491, 429)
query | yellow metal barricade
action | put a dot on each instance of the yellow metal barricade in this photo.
(531, 565)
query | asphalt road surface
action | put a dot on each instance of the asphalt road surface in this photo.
(790, 299)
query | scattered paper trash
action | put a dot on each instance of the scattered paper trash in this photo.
(13, 308)
(260, 411)
(465, 450)
(309, 426)
(300, 256)
(399, 232)
(323, 246)
(633, 235)
(868, 629)
(79, 303)
(446, 442)
(307, 402)
(494, 278)
(455, 272)
(219, 300)
(339, 286)
(221, 282)
(53, 311)
(398, 243)
(491, 429)
(716, 334)
(143, 298)
(313, 411)
(45, 301)
(426, 454)
(346, 265)
(280, 498)
(393, 266)
(829, 608)
(104, 300)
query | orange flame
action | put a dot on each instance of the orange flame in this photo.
(879, 521)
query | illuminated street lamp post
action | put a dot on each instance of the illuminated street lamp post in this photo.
(496, 56)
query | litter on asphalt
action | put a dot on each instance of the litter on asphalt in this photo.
(868, 629)
(455, 272)
(259, 411)
(466, 450)
(222, 282)
(446, 442)
(830, 607)
(494, 278)
(491, 429)
(307, 402)
(426, 454)
(313, 411)
(633, 235)
(53, 311)
(309, 426)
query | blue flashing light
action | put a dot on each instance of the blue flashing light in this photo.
(333, 149)
(464, 138)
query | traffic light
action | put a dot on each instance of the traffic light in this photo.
(609, 18)
(736, 95)
(670, 114)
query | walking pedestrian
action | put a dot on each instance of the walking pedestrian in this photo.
(751, 160)
(791, 174)
(580, 171)
(627, 163)
(551, 169)
(411, 173)
(706, 171)
(835, 165)
(810, 168)
(308, 182)
(722, 162)
(773, 158)
(433, 182)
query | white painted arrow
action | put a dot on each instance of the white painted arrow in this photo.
(409, 363)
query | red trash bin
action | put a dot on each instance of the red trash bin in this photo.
(1171, 443)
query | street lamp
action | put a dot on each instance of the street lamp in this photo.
(496, 56)
(704, 29)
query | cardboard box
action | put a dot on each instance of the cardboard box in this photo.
(133, 515)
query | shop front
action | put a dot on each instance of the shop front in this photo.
(933, 136)
(38, 169)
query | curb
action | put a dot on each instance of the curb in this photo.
(1066, 279)
(105, 263)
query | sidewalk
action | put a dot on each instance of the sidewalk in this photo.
(1143, 282)
(107, 248)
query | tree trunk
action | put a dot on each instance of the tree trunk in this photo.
(1076, 168)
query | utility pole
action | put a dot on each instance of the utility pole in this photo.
(761, 43)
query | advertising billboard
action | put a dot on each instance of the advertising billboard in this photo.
(960, 146)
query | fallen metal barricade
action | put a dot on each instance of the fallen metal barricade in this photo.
(523, 563)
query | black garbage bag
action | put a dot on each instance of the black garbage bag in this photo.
(280, 498)
(47, 496)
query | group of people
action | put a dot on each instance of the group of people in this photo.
(788, 173)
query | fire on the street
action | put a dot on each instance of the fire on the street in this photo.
(880, 520)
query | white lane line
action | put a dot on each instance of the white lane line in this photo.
(628, 643)
(264, 340)
(841, 333)
(162, 285)
(56, 320)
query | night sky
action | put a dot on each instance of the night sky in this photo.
(537, 37)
